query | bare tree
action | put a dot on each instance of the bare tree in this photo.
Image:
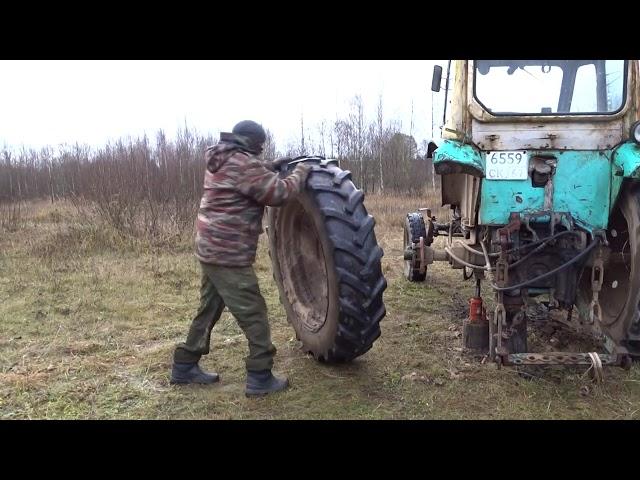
(269, 151)
(302, 147)
(357, 137)
(321, 145)
(379, 141)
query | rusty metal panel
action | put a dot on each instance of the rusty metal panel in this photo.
(552, 136)
(455, 127)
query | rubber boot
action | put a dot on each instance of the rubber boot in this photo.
(191, 373)
(263, 382)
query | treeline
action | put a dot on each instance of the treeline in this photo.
(135, 184)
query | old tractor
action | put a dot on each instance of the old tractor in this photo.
(540, 165)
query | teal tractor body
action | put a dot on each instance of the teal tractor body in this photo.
(586, 182)
(540, 164)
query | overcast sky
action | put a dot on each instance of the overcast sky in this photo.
(54, 102)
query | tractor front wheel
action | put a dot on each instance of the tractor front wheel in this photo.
(414, 229)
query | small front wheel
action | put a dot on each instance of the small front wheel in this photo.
(414, 229)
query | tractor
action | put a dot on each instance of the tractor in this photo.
(539, 163)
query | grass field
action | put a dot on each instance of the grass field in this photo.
(88, 322)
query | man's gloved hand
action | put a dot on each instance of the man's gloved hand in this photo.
(280, 161)
(302, 170)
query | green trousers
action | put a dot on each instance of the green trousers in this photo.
(236, 288)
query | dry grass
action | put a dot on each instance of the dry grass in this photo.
(88, 321)
(390, 210)
(11, 216)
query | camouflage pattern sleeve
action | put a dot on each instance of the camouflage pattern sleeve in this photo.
(237, 186)
(266, 187)
(269, 165)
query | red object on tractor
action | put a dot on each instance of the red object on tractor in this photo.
(476, 310)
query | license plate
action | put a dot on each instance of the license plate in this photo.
(507, 165)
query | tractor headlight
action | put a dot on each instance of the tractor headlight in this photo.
(635, 132)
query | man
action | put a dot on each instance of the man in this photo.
(237, 186)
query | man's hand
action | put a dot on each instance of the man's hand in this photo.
(302, 170)
(278, 162)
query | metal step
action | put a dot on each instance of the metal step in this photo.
(565, 358)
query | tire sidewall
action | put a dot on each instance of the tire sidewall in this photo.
(323, 339)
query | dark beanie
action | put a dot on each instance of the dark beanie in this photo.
(252, 133)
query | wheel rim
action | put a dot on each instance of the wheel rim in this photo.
(408, 268)
(617, 272)
(303, 266)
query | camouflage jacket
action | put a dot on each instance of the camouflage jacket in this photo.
(237, 186)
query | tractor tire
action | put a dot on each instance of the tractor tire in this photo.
(327, 265)
(620, 294)
(414, 228)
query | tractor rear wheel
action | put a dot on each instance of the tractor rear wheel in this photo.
(620, 294)
(327, 265)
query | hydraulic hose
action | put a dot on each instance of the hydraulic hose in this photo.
(595, 243)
